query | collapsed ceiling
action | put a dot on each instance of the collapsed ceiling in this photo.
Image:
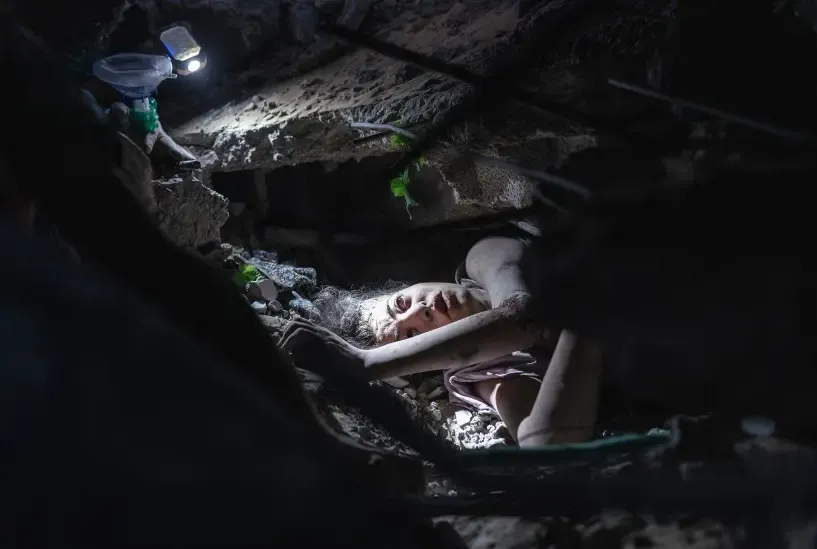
(280, 91)
(277, 91)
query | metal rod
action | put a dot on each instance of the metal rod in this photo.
(487, 160)
(463, 75)
(389, 128)
(547, 201)
(717, 113)
(553, 179)
(488, 90)
(450, 70)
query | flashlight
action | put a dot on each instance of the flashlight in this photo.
(184, 51)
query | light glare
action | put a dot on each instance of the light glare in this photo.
(194, 65)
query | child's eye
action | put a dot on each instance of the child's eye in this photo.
(401, 303)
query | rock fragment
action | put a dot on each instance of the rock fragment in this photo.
(190, 213)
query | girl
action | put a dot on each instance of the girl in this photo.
(475, 330)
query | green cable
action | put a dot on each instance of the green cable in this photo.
(558, 454)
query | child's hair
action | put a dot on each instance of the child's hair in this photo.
(342, 310)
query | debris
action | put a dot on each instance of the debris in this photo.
(285, 277)
(219, 253)
(253, 292)
(397, 382)
(758, 426)
(188, 212)
(304, 307)
(432, 385)
(259, 307)
(463, 417)
(263, 290)
(274, 324)
(311, 382)
(268, 289)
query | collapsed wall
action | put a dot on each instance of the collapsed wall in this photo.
(277, 94)
(309, 116)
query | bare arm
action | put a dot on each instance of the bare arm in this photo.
(494, 264)
(565, 408)
(481, 337)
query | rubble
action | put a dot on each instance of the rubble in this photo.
(286, 277)
(425, 400)
(269, 107)
(190, 213)
(301, 112)
(307, 119)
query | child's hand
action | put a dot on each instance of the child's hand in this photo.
(312, 347)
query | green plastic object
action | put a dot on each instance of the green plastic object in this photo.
(399, 188)
(146, 120)
(249, 273)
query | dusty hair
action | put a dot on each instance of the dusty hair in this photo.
(342, 310)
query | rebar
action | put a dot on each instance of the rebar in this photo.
(716, 113)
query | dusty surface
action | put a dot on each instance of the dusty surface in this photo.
(306, 119)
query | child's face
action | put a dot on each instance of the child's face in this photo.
(422, 308)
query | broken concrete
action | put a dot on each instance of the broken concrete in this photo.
(276, 93)
(189, 213)
(307, 118)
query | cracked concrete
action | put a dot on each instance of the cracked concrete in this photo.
(306, 119)
(285, 95)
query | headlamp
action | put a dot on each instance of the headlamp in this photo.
(185, 52)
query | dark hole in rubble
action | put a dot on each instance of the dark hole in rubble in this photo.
(235, 186)
(354, 196)
(327, 217)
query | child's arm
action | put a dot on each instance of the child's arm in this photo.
(565, 408)
(478, 338)
(494, 264)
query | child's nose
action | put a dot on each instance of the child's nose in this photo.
(420, 314)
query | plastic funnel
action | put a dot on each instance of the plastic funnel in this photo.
(134, 75)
